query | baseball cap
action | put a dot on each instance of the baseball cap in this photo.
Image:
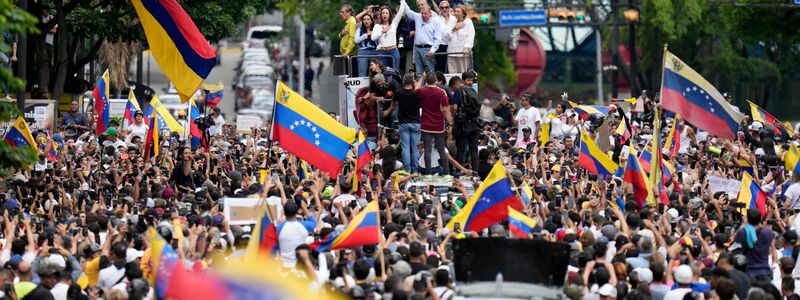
(110, 131)
(683, 274)
(644, 275)
(756, 126)
(608, 290)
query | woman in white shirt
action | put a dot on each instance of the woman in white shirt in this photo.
(386, 34)
(461, 39)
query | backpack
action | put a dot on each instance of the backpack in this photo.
(470, 104)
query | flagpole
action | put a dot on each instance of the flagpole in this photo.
(380, 248)
(663, 70)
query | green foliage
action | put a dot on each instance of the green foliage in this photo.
(19, 23)
(492, 62)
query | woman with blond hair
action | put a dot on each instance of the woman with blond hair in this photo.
(461, 39)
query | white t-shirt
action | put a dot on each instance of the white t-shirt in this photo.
(793, 195)
(59, 291)
(556, 128)
(527, 118)
(137, 130)
(434, 158)
(291, 235)
(110, 276)
(677, 294)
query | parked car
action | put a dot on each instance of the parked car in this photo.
(257, 35)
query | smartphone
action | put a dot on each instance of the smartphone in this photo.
(409, 226)
(727, 230)
(693, 227)
(457, 227)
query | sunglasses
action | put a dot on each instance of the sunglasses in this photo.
(444, 6)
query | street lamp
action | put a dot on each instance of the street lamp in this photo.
(613, 70)
(631, 15)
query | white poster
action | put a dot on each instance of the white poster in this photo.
(720, 184)
(241, 211)
(245, 122)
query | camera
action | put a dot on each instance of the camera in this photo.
(204, 122)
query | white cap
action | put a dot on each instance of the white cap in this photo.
(683, 274)
(608, 290)
(132, 254)
(673, 215)
(756, 126)
(58, 260)
(644, 275)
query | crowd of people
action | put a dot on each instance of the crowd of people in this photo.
(74, 225)
(436, 37)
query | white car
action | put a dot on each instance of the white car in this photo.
(257, 34)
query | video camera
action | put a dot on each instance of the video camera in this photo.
(204, 122)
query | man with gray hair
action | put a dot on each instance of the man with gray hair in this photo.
(427, 37)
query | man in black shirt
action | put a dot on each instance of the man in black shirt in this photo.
(467, 129)
(505, 110)
(407, 104)
(417, 258)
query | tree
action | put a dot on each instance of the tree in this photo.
(84, 25)
(492, 62)
(17, 22)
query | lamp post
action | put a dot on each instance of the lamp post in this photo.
(613, 70)
(632, 16)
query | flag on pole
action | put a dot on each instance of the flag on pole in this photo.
(163, 117)
(151, 142)
(751, 194)
(673, 142)
(623, 131)
(308, 132)
(19, 135)
(655, 164)
(194, 131)
(688, 94)
(584, 111)
(362, 230)
(792, 159)
(489, 203)
(176, 44)
(634, 174)
(101, 105)
(131, 108)
(593, 159)
(215, 94)
(519, 224)
(761, 115)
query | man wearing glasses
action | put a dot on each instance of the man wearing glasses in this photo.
(427, 37)
(447, 21)
(347, 46)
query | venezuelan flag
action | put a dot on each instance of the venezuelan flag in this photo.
(177, 45)
(761, 115)
(196, 133)
(264, 239)
(488, 205)
(688, 94)
(131, 108)
(792, 158)
(644, 158)
(304, 173)
(585, 110)
(634, 174)
(167, 267)
(52, 153)
(259, 279)
(101, 105)
(746, 166)
(18, 134)
(308, 132)
(673, 142)
(751, 194)
(593, 159)
(362, 230)
(618, 204)
(214, 94)
(165, 119)
(519, 224)
(363, 157)
(151, 143)
(526, 193)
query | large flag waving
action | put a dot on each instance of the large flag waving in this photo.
(593, 159)
(177, 45)
(101, 105)
(685, 92)
(490, 202)
(308, 132)
(362, 230)
(18, 134)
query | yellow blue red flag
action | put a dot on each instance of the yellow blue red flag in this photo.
(593, 159)
(101, 105)
(792, 159)
(519, 224)
(308, 132)
(362, 230)
(177, 45)
(490, 202)
(18, 134)
(163, 117)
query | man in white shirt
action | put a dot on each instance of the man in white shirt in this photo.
(683, 276)
(112, 140)
(293, 233)
(792, 193)
(115, 273)
(219, 122)
(139, 128)
(527, 117)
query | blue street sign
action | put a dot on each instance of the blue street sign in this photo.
(525, 17)
(797, 2)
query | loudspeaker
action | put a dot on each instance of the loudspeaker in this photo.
(341, 65)
(519, 260)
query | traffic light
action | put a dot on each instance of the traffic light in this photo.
(563, 15)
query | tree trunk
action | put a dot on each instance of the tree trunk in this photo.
(62, 56)
(42, 66)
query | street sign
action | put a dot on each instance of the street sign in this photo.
(525, 17)
(797, 2)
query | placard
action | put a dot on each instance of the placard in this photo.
(243, 211)
(245, 122)
(720, 184)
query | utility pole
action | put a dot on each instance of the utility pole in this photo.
(634, 82)
(301, 78)
(614, 48)
(22, 62)
(599, 53)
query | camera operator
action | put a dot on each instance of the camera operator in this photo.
(382, 89)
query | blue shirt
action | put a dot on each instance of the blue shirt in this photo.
(425, 33)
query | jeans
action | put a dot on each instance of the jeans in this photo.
(421, 60)
(467, 143)
(409, 138)
(395, 62)
(363, 62)
(428, 140)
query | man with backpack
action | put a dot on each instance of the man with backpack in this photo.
(466, 107)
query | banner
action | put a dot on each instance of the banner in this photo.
(720, 184)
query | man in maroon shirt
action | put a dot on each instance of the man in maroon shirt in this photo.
(435, 111)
